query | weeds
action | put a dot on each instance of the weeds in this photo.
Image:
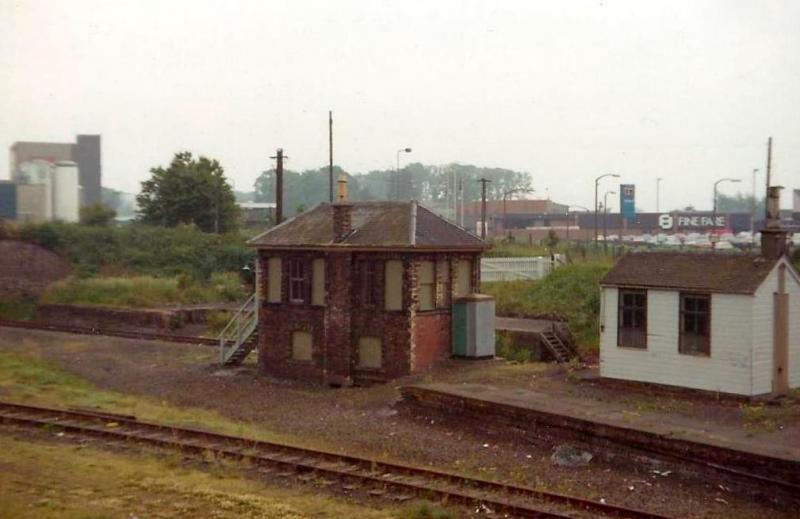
(143, 291)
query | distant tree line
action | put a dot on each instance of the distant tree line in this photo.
(432, 184)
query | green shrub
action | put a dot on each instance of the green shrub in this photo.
(509, 350)
(216, 321)
(571, 291)
(20, 308)
(142, 291)
(139, 249)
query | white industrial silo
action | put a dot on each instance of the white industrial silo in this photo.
(66, 192)
(37, 172)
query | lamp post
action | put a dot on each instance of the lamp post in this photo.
(753, 212)
(505, 195)
(714, 212)
(596, 183)
(658, 195)
(576, 217)
(605, 218)
(397, 171)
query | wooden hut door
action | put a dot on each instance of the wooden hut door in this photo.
(780, 352)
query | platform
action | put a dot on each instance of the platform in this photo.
(528, 410)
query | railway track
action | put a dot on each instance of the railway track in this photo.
(375, 478)
(128, 334)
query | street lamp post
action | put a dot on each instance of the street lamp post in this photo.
(605, 218)
(576, 217)
(505, 195)
(397, 172)
(714, 212)
(658, 195)
(596, 183)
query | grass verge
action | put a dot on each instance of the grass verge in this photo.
(571, 291)
(144, 291)
(59, 480)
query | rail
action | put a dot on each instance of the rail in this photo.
(377, 476)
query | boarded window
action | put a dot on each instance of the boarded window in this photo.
(297, 281)
(443, 271)
(632, 319)
(370, 352)
(318, 282)
(695, 324)
(463, 278)
(274, 280)
(427, 285)
(393, 293)
(301, 346)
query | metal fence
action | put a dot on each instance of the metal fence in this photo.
(514, 269)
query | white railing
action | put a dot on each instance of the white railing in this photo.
(515, 269)
(238, 329)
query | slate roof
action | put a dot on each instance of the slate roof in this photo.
(375, 225)
(706, 272)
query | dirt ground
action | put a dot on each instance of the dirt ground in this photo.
(363, 421)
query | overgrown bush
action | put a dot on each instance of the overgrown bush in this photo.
(216, 321)
(139, 249)
(143, 291)
(571, 291)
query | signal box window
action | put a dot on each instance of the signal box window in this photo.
(695, 323)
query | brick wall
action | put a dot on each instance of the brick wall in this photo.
(412, 341)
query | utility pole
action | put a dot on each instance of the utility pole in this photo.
(279, 185)
(330, 154)
(658, 195)
(769, 172)
(483, 182)
(753, 212)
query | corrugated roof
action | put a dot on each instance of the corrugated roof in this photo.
(375, 224)
(708, 272)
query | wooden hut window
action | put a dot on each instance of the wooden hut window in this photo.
(632, 323)
(426, 279)
(695, 324)
(297, 281)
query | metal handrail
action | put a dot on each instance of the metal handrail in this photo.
(242, 320)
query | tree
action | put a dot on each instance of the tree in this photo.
(189, 191)
(739, 203)
(97, 214)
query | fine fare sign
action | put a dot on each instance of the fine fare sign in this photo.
(672, 221)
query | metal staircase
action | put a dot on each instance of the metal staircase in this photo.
(238, 338)
(561, 351)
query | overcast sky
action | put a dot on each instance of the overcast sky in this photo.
(685, 90)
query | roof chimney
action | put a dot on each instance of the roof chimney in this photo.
(342, 212)
(773, 237)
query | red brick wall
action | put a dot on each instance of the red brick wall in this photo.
(411, 341)
(432, 342)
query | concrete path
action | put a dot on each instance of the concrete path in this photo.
(513, 324)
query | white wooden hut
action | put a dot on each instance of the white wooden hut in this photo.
(719, 322)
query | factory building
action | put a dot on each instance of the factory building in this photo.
(85, 153)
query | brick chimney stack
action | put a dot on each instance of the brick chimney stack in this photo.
(773, 237)
(342, 212)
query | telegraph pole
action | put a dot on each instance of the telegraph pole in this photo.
(279, 185)
(483, 182)
(769, 171)
(330, 154)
